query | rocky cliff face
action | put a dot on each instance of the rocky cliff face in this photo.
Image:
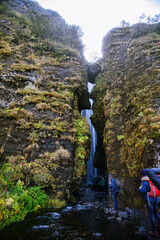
(127, 101)
(44, 141)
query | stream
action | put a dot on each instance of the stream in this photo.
(89, 218)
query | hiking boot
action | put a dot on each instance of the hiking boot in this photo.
(154, 234)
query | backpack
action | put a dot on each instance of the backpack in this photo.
(154, 192)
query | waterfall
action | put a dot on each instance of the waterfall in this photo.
(91, 171)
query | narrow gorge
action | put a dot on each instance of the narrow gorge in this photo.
(45, 100)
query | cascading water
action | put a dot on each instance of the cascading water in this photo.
(91, 171)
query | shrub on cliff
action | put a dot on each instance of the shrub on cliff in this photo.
(18, 201)
(42, 28)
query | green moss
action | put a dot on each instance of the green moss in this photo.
(35, 91)
(23, 67)
(5, 49)
(15, 113)
(33, 99)
(120, 137)
(82, 134)
(56, 203)
(1, 67)
(98, 94)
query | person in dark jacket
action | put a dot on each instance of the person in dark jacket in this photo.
(102, 184)
(113, 187)
(151, 203)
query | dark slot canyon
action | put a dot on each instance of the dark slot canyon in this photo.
(68, 127)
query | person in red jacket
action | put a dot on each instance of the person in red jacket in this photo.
(151, 203)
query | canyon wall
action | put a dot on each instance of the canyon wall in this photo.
(127, 102)
(44, 141)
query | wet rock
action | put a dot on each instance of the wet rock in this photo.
(119, 219)
(56, 215)
(56, 233)
(106, 210)
(130, 211)
(67, 209)
(112, 217)
(41, 227)
(127, 209)
(119, 215)
(83, 102)
(112, 211)
(97, 234)
(141, 231)
(93, 70)
(122, 214)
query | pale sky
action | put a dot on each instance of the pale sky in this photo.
(97, 17)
